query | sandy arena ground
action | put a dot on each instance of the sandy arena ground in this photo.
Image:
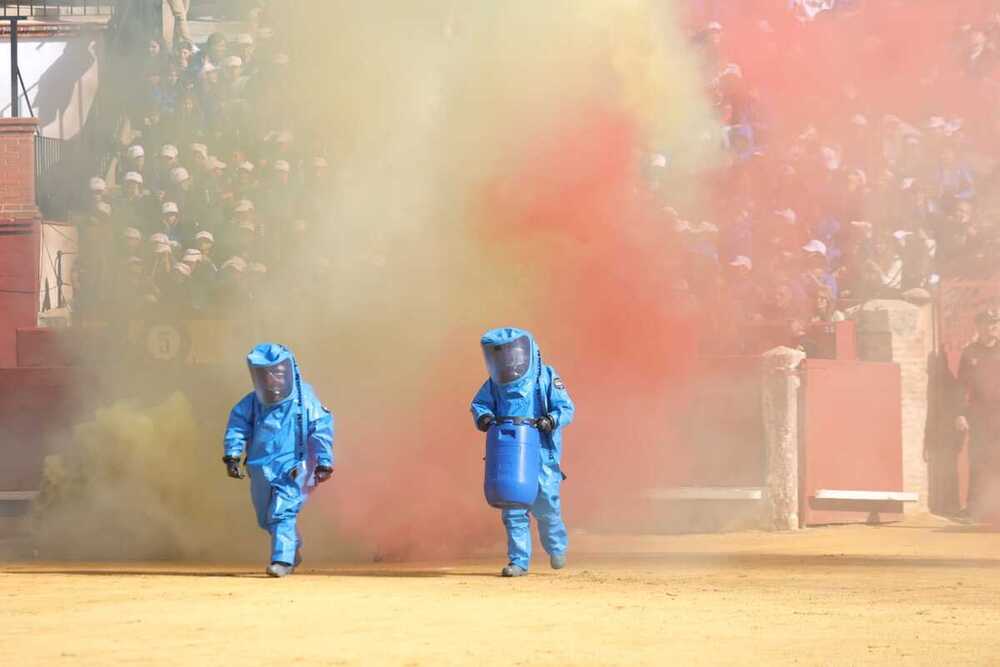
(925, 592)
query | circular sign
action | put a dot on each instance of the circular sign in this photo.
(163, 342)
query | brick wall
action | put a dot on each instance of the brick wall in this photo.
(19, 234)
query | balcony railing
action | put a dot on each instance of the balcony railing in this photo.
(57, 9)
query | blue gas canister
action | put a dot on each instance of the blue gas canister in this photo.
(513, 460)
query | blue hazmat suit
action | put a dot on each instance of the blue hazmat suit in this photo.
(538, 392)
(285, 437)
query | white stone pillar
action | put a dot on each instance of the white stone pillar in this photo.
(780, 411)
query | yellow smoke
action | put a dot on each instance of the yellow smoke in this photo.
(420, 106)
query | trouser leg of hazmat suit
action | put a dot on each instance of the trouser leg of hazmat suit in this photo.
(548, 513)
(277, 503)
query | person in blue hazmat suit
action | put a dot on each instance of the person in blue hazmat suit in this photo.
(286, 435)
(520, 385)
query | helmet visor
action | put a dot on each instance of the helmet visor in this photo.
(509, 361)
(273, 384)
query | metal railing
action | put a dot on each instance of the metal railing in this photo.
(58, 8)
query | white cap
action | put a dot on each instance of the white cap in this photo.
(179, 174)
(246, 165)
(234, 61)
(320, 161)
(235, 263)
(742, 260)
(133, 233)
(192, 255)
(168, 207)
(815, 246)
(788, 214)
(159, 237)
(162, 249)
(901, 234)
(133, 176)
(731, 69)
(282, 165)
(97, 184)
(243, 206)
(830, 157)
(244, 38)
(201, 149)
(135, 151)
(714, 26)
(168, 150)
(104, 207)
(183, 268)
(204, 236)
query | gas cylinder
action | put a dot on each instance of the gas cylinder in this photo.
(513, 460)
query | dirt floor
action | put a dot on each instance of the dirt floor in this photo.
(925, 592)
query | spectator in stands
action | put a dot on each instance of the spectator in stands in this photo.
(186, 124)
(954, 179)
(189, 199)
(817, 271)
(97, 194)
(205, 242)
(132, 243)
(170, 222)
(244, 48)
(214, 53)
(176, 291)
(885, 269)
(134, 207)
(917, 252)
(135, 160)
(246, 186)
(160, 178)
(825, 308)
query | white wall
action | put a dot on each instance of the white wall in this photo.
(61, 76)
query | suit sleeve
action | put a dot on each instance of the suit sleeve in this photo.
(561, 407)
(483, 403)
(239, 429)
(320, 431)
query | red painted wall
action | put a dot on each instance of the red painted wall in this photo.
(850, 437)
(20, 239)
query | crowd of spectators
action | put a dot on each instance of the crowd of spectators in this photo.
(209, 193)
(864, 200)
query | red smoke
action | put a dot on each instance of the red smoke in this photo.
(566, 212)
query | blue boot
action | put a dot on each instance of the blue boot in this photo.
(512, 571)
